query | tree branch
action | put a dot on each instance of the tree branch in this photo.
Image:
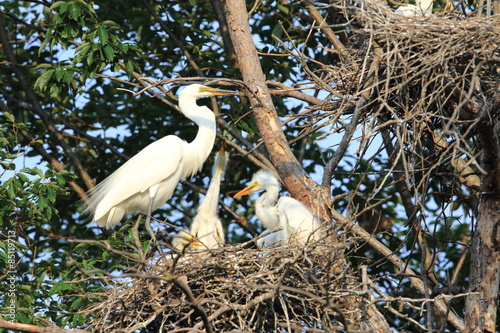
(291, 172)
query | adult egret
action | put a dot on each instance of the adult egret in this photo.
(148, 179)
(207, 227)
(298, 223)
(422, 8)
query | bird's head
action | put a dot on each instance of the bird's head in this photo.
(221, 159)
(261, 180)
(200, 91)
(185, 239)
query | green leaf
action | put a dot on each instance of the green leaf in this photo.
(74, 10)
(60, 179)
(129, 68)
(110, 52)
(42, 202)
(82, 46)
(11, 191)
(64, 8)
(51, 194)
(103, 35)
(68, 76)
(57, 4)
(59, 74)
(42, 81)
(9, 116)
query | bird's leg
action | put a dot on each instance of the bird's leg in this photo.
(148, 220)
(135, 232)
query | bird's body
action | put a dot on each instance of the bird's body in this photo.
(271, 239)
(206, 228)
(149, 178)
(297, 222)
(422, 8)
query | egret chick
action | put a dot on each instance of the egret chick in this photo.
(207, 227)
(149, 178)
(422, 8)
(184, 239)
(298, 223)
(271, 239)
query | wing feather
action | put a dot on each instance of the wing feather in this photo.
(155, 163)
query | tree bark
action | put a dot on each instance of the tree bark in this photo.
(289, 169)
(483, 301)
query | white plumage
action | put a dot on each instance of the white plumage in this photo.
(298, 224)
(206, 231)
(148, 179)
(422, 8)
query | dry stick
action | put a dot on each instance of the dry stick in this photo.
(260, 159)
(315, 14)
(180, 282)
(349, 131)
(405, 270)
(46, 117)
(218, 6)
(36, 329)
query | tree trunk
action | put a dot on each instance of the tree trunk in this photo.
(289, 169)
(482, 303)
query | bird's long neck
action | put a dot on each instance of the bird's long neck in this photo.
(266, 210)
(202, 145)
(208, 206)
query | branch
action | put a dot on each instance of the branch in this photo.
(441, 305)
(366, 89)
(55, 163)
(45, 116)
(291, 172)
(36, 329)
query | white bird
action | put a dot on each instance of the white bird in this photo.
(149, 178)
(271, 239)
(184, 239)
(298, 223)
(206, 226)
(206, 231)
(422, 8)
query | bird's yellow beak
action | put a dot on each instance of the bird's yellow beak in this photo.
(250, 188)
(195, 242)
(219, 92)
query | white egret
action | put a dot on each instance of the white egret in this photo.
(422, 8)
(206, 230)
(298, 223)
(184, 239)
(270, 239)
(148, 179)
(207, 227)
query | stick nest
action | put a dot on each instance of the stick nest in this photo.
(244, 290)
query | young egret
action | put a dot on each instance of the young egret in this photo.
(184, 239)
(207, 227)
(298, 223)
(148, 179)
(270, 239)
(422, 8)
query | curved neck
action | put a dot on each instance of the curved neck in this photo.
(198, 149)
(266, 210)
